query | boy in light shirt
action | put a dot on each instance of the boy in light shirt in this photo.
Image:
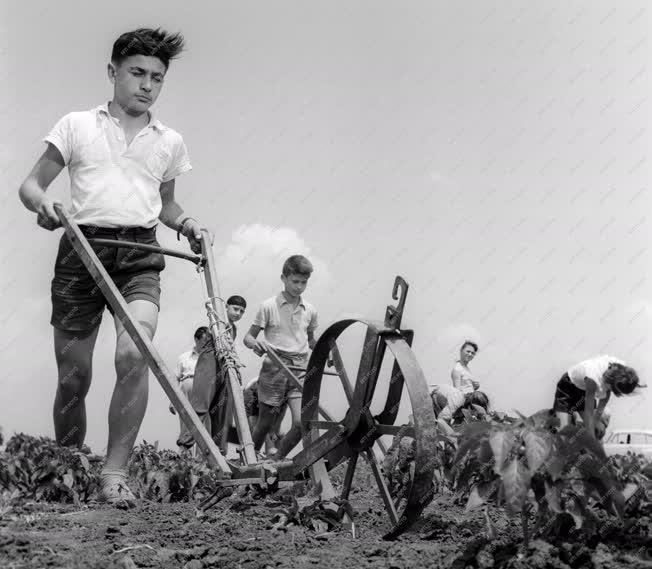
(123, 164)
(288, 322)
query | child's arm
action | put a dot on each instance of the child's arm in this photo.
(32, 191)
(311, 338)
(601, 406)
(258, 346)
(172, 215)
(589, 405)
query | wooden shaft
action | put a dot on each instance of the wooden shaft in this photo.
(220, 334)
(142, 341)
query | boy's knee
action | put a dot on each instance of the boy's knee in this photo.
(129, 361)
(75, 377)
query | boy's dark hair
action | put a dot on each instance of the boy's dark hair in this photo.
(147, 41)
(623, 379)
(200, 332)
(469, 343)
(477, 398)
(237, 301)
(297, 265)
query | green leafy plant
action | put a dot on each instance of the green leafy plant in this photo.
(525, 466)
(634, 473)
(398, 463)
(167, 476)
(38, 468)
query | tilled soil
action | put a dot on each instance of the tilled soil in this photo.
(237, 534)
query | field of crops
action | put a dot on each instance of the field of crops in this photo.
(507, 493)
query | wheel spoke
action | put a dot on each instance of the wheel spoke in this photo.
(382, 486)
(348, 477)
(405, 430)
(341, 371)
(319, 447)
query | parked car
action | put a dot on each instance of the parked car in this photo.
(622, 440)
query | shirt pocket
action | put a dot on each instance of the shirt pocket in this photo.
(157, 163)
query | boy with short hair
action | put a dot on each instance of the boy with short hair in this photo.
(288, 323)
(207, 395)
(461, 374)
(123, 163)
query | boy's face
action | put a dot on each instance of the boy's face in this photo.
(234, 312)
(294, 284)
(467, 353)
(137, 82)
(199, 341)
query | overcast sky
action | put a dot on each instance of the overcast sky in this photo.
(493, 154)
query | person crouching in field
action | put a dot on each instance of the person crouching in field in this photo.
(448, 401)
(123, 164)
(590, 381)
(288, 323)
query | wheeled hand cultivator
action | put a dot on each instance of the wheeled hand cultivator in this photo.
(327, 442)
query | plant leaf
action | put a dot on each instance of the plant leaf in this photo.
(475, 500)
(516, 482)
(481, 492)
(553, 497)
(537, 449)
(68, 480)
(501, 442)
(575, 507)
(84, 462)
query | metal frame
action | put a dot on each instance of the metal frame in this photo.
(326, 442)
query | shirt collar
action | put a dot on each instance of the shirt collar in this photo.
(153, 121)
(282, 300)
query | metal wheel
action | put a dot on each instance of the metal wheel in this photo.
(329, 443)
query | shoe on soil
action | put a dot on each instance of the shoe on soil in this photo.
(115, 491)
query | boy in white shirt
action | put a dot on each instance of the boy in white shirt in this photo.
(123, 163)
(588, 381)
(460, 374)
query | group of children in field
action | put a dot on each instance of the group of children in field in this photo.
(123, 163)
(288, 323)
(581, 395)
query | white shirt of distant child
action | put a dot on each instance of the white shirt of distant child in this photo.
(594, 369)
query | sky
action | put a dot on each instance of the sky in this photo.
(495, 155)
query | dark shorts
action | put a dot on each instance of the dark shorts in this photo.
(77, 301)
(568, 397)
(251, 401)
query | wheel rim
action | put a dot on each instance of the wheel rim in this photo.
(327, 444)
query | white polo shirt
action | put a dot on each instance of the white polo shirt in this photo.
(112, 184)
(593, 369)
(286, 327)
(186, 365)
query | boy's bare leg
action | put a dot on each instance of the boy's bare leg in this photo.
(293, 436)
(129, 400)
(266, 417)
(564, 419)
(273, 438)
(74, 356)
